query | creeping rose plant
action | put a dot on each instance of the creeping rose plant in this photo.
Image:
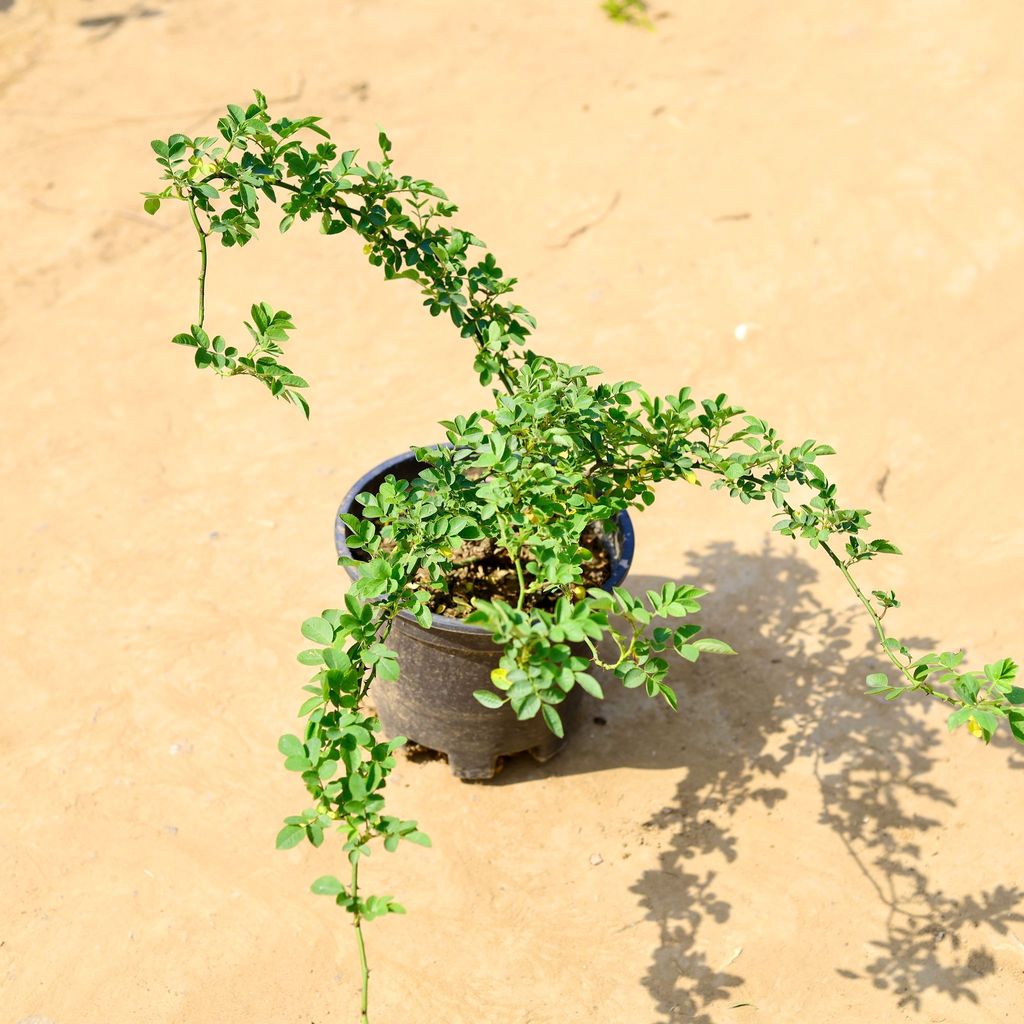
(555, 449)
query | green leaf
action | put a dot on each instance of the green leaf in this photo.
(590, 685)
(289, 836)
(1001, 671)
(688, 651)
(318, 630)
(1016, 720)
(637, 677)
(488, 698)
(387, 667)
(337, 659)
(885, 547)
(553, 720)
(528, 707)
(327, 885)
(418, 837)
(712, 646)
(152, 204)
(670, 696)
(967, 687)
(958, 718)
(357, 787)
(983, 722)
(309, 705)
(291, 746)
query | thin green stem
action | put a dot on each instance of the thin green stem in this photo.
(502, 373)
(876, 619)
(883, 636)
(624, 652)
(513, 554)
(357, 922)
(383, 632)
(202, 259)
(522, 582)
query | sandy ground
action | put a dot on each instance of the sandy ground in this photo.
(844, 176)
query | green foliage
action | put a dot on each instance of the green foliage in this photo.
(403, 221)
(268, 329)
(629, 12)
(555, 450)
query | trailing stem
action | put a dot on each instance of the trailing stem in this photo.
(357, 923)
(202, 260)
(888, 642)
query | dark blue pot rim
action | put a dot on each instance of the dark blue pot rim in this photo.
(619, 567)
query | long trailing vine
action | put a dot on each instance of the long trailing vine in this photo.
(555, 451)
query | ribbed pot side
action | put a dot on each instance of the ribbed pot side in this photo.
(432, 702)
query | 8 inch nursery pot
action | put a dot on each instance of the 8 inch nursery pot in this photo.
(432, 701)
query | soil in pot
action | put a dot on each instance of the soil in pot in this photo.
(484, 570)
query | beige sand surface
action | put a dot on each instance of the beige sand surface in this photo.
(845, 176)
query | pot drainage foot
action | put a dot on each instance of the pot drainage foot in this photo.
(543, 752)
(472, 769)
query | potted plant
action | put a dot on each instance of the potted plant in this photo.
(437, 700)
(516, 529)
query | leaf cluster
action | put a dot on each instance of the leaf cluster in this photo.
(628, 12)
(403, 221)
(340, 756)
(268, 330)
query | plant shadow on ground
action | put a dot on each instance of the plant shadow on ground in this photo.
(801, 675)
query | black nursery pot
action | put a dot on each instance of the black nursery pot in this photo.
(432, 702)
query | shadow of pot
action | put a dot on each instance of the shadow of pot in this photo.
(432, 701)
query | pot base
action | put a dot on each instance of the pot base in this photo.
(480, 767)
(439, 712)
